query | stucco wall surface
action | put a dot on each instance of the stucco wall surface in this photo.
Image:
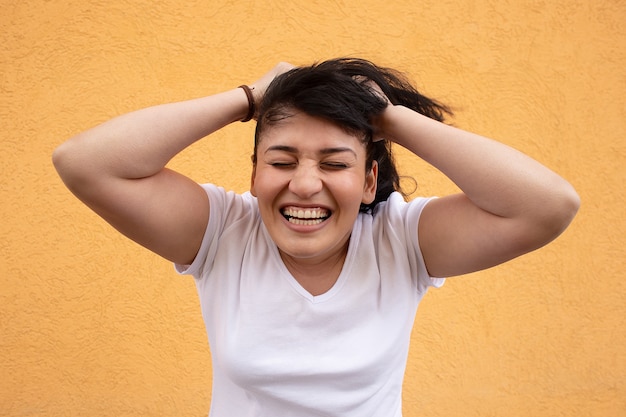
(91, 324)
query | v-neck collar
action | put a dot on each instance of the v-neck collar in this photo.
(343, 275)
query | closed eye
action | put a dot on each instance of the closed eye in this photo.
(282, 164)
(334, 165)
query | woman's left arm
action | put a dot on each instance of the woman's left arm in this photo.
(510, 204)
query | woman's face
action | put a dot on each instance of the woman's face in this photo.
(310, 181)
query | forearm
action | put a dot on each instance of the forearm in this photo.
(495, 177)
(140, 144)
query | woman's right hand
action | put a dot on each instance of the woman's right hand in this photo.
(260, 86)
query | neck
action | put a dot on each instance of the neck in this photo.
(319, 276)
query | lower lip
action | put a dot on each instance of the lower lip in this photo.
(302, 225)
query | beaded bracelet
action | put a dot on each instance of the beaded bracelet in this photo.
(251, 106)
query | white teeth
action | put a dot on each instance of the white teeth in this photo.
(299, 213)
(313, 222)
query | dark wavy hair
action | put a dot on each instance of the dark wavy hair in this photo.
(338, 90)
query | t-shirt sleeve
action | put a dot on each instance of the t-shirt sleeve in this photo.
(226, 207)
(436, 282)
(401, 223)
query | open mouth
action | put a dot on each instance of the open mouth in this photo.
(305, 216)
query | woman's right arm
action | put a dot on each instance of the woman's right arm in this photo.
(118, 170)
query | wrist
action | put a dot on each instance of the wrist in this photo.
(251, 103)
(386, 122)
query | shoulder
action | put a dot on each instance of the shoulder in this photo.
(233, 218)
(226, 198)
(392, 230)
(394, 222)
(229, 205)
(397, 209)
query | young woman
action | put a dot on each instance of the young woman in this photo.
(309, 283)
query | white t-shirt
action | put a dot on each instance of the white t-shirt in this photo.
(279, 351)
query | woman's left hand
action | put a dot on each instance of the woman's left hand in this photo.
(380, 132)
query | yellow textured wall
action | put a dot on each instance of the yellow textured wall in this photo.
(93, 325)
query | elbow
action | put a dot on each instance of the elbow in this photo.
(566, 208)
(557, 213)
(62, 160)
(70, 165)
(59, 156)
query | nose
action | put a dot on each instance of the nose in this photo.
(305, 181)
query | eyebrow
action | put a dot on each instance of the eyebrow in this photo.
(325, 151)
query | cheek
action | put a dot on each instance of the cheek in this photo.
(350, 190)
(263, 185)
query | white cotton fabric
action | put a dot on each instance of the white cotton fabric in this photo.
(278, 351)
